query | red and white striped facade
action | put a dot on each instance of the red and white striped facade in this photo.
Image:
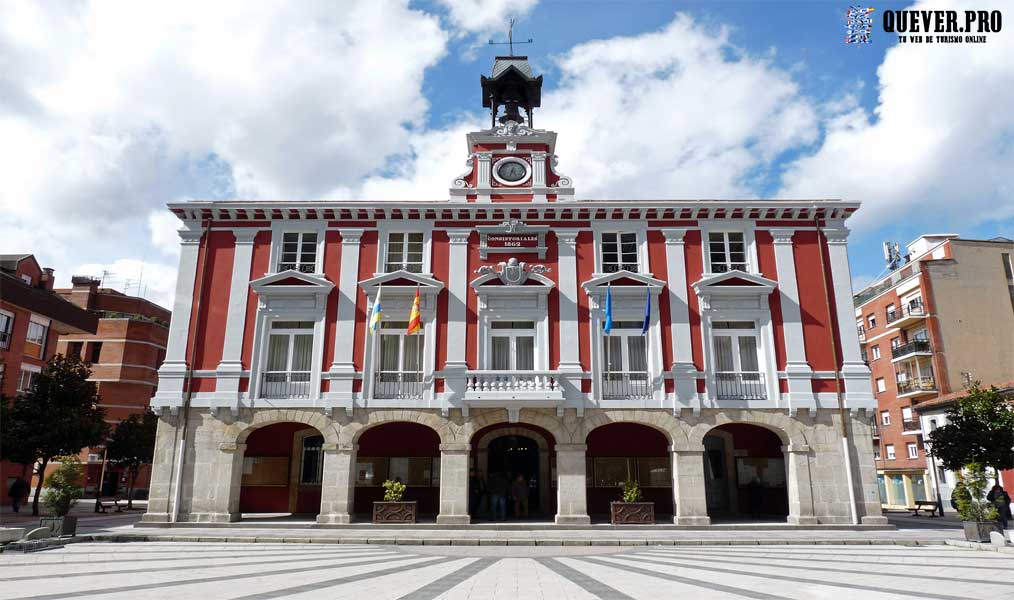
(790, 291)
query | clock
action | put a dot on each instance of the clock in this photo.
(511, 171)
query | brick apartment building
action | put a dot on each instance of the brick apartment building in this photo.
(124, 352)
(32, 317)
(942, 319)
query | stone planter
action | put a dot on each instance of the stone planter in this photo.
(394, 512)
(978, 531)
(67, 526)
(632, 513)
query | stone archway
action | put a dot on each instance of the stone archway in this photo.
(746, 472)
(492, 433)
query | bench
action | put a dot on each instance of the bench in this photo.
(929, 506)
(103, 505)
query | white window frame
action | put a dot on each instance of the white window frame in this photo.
(538, 316)
(627, 309)
(913, 449)
(906, 414)
(404, 264)
(402, 334)
(512, 335)
(876, 454)
(640, 228)
(33, 370)
(384, 231)
(881, 385)
(26, 278)
(876, 352)
(9, 327)
(619, 251)
(885, 417)
(278, 231)
(746, 227)
(871, 321)
(890, 452)
(396, 303)
(45, 324)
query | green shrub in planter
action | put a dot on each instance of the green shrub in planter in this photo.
(63, 488)
(979, 515)
(394, 491)
(631, 492)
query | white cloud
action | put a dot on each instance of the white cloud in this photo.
(938, 148)
(485, 16)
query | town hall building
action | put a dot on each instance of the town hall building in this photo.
(704, 349)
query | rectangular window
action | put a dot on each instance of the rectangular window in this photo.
(405, 252)
(876, 352)
(512, 346)
(890, 452)
(290, 350)
(35, 339)
(737, 361)
(6, 327)
(625, 356)
(400, 372)
(421, 471)
(891, 313)
(895, 342)
(311, 470)
(906, 413)
(881, 385)
(871, 321)
(727, 251)
(74, 349)
(95, 352)
(27, 379)
(876, 454)
(885, 418)
(619, 252)
(299, 252)
(913, 450)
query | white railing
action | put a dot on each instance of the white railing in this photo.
(285, 384)
(511, 381)
(398, 384)
(740, 385)
(626, 385)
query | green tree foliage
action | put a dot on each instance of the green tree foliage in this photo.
(13, 438)
(63, 487)
(59, 416)
(980, 429)
(972, 503)
(132, 446)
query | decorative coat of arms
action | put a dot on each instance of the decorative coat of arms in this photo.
(512, 272)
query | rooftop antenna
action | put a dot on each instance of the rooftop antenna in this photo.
(102, 280)
(510, 39)
(892, 254)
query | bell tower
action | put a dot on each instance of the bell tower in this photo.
(511, 161)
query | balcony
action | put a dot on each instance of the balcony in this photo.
(743, 385)
(915, 347)
(513, 390)
(5, 340)
(626, 385)
(917, 386)
(285, 384)
(862, 333)
(908, 314)
(398, 385)
(911, 426)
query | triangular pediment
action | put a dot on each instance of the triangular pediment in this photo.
(621, 281)
(291, 282)
(735, 282)
(401, 281)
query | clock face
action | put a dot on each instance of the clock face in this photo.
(511, 171)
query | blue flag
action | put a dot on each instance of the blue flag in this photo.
(608, 327)
(647, 310)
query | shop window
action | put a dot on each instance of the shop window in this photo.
(414, 471)
(648, 472)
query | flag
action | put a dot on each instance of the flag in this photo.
(414, 318)
(647, 310)
(608, 327)
(375, 316)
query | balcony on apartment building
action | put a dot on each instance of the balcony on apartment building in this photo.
(743, 385)
(917, 386)
(875, 431)
(912, 348)
(907, 314)
(862, 333)
(910, 426)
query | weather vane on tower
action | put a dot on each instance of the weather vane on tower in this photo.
(510, 39)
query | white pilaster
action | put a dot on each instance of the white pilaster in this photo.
(457, 312)
(570, 368)
(683, 369)
(343, 370)
(230, 369)
(859, 394)
(798, 370)
(173, 371)
(483, 170)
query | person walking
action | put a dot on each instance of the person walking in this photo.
(497, 489)
(1001, 500)
(519, 490)
(18, 492)
(476, 492)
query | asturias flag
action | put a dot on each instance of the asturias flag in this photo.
(414, 318)
(375, 317)
(608, 327)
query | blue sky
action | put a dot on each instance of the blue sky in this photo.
(108, 110)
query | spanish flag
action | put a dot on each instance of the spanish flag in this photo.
(414, 318)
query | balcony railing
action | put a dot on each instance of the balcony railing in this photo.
(911, 426)
(862, 333)
(912, 309)
(626, 385)
(398, 384)
(285, 384)
(745, 385)
(5, 340)
(917, 384)
(912, 347)
(511, 381)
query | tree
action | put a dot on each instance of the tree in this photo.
(58, 416)
(980, 429)
(131, 446)
(13, 439)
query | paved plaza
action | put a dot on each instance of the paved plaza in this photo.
(262, 571)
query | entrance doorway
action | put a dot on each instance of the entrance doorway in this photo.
(514, 455)
(744, 473)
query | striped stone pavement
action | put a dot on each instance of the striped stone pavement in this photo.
(371, 572)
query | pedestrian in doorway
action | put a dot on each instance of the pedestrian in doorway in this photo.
(476, 492)
(18, 492)
(519, 490)
(498, 489)
(756, 497)
(1001, 500)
